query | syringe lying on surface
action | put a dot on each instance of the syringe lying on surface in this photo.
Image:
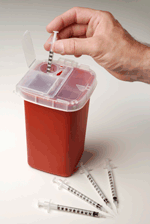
(62, 184)
(95, 185)
(112, 184)
(50, 58)
(48, 205)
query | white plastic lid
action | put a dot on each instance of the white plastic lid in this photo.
(67, 87)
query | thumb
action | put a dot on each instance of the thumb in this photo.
(73, 46)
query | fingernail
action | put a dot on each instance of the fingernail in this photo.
(58, 47)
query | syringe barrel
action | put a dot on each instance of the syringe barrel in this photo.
(48, 205)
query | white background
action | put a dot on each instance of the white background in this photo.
(118, 122)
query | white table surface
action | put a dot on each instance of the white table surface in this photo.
(118, 122)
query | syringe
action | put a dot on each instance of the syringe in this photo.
(48, 205)
(50, 58)
(62, 184)
(112, 184)
(95, 185)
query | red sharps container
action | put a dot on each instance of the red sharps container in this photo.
(56, 110)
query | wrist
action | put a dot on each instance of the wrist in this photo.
(136, 65)
(141, 68)
(136, 56)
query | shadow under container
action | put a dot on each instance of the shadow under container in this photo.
(56, 111)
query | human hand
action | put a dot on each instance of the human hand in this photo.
(98, 34)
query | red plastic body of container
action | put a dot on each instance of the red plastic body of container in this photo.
(55, 139)
(56, 110)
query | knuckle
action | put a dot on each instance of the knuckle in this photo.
(98, 13)
(107, 15)
(76, 8)
(104, 16)
(96, 47)
(72, 46)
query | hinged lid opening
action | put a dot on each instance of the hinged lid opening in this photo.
(28, 48)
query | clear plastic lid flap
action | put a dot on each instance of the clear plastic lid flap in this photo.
(28, 48)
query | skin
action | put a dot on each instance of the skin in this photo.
(84, 31)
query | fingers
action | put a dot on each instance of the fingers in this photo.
(73, 46)
(47, 44)
(77, 15)
(75, 30)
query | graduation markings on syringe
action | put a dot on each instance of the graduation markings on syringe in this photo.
(62, 184)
